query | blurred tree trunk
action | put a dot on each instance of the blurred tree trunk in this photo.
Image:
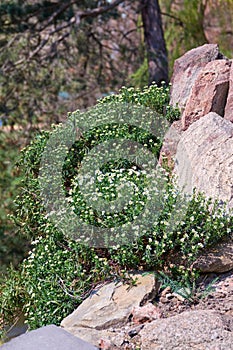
(155, 43)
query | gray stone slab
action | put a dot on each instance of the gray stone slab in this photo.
(47, 338)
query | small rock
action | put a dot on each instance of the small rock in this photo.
(146, 313)
(178, 296)
(165, 291)
(164, 300)
(105, 344)
(133, 332)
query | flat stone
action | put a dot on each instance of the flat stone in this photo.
(109, 306)
(47, 338)
(217, 259)
(209, 92)
(204, 158)
(228, 114)
(186, 70)
(196, 330)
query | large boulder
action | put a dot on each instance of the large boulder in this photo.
(186, 70)
(209, 92)
(110, 306)
(200, 330)
(228, 114)
(204, 158)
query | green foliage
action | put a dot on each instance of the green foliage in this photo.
(12, 295)
(199, 226)
(188, 288)
(52, 281)
(57, 275)
(184, 30)
(154, 97)
(59, 271)
(12, 246)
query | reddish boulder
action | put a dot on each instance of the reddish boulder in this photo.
(228, 114)
(187, 68)
(209, 93)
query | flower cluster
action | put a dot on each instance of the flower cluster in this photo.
(154, 97)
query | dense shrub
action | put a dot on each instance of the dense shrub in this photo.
(59, 271)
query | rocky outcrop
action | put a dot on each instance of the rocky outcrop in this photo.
(209, 92)
(202, 82)
(186, 70)
(111, 305)
(207, 325)
(228, 114)
(171, 323)
(201, 329)
(204, 158)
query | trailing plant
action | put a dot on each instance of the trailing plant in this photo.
(54, 279)
(60, 269)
